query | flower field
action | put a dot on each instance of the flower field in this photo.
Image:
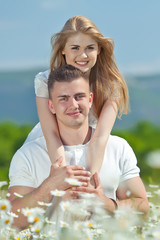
(84, 219)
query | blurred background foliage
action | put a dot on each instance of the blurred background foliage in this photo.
(12, 137)
(144, 138)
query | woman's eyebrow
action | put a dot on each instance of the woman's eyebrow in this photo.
(76, 45)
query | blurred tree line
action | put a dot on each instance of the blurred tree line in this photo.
(143, 138)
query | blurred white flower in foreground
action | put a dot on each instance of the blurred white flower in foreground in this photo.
(33, 214)
(5, 205)
(18, 195)
(65, 205)
(3, 183)
(57, 193)
(153, 186)
(73, 181)
(44, 204)
(153, 159)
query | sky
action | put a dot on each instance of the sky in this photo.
(26, 28)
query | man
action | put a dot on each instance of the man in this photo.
(33, 176)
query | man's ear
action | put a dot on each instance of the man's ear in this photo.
(51, 107)
(90, 99)
(99, 50)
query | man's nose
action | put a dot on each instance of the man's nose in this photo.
(74, 103)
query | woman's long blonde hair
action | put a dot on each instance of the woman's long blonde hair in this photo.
(105, 79)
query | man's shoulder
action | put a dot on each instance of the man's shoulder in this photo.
(117, 143)
(32, 146)
(117, 140)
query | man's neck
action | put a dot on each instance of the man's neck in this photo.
(75, 136)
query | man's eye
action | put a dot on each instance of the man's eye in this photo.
(63, 99)
(79, 97)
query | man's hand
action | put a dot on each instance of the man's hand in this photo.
(58, 174)
(98, 190)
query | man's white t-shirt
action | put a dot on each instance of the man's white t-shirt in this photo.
(30, 165)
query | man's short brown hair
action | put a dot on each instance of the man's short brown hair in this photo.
(65, 73)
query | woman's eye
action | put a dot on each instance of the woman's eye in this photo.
(91, 48)
(75, 48)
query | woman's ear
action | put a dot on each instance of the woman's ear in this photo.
(99, 50)
(51, 107)
(63, 52)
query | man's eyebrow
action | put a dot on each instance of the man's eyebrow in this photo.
(60, 96)
(80, 93)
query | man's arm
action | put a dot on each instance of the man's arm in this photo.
(31, 196)
(132, 193)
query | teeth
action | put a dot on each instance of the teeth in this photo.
(81, 63)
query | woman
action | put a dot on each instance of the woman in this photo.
(81, 44)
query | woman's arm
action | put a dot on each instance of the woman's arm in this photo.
(50, 130)
(100, 137)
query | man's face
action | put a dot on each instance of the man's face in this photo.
(71, 102)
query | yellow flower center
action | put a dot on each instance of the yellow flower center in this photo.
(90, 224)
(7, 221)
(79, 226)
(28, 234)
(3, 207)
(28, 213)
(36, 219)
(37, 230)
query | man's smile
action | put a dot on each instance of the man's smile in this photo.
(74, 114)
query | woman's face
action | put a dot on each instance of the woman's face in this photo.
(81, 51)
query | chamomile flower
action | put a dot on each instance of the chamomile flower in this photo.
(3, 183)
(153, 186)
(5, 205)
(156, 234)
(153, 159)
(13, 214)
(44, 204)
(65, 205)
(157, 192)
(64, 224)
(8, 195)
(57, 193)
(149, 195)
(87, 195)
(33, 214)
(26, 211)
(73, 182)
(18, 195)
(6, 220)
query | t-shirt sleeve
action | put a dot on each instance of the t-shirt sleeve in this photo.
(40, 84)
(20, 171)
(129, 166)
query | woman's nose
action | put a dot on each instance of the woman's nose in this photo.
(83, 54)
